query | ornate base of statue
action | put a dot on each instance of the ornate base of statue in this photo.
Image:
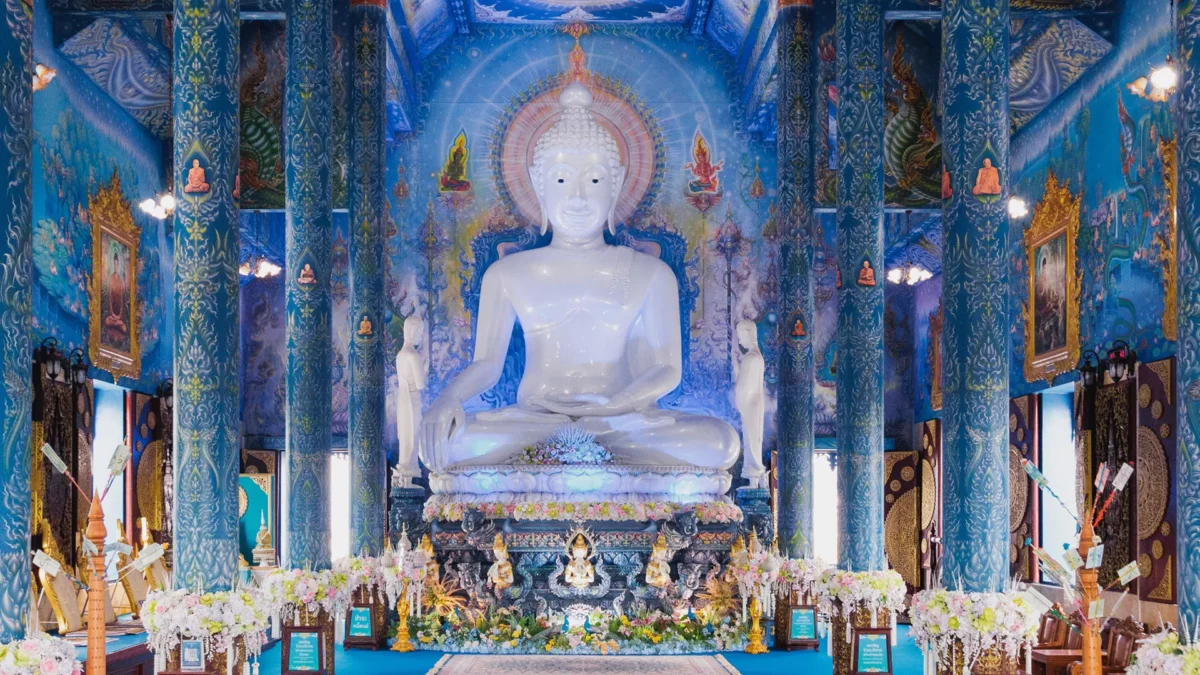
(756, 509)
(619, 482)
(405, 510)
(560, 564)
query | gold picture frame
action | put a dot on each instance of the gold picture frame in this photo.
(112, 294)
(1054, 281)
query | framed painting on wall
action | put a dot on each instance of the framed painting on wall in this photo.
(1051, 310)
(112, 296)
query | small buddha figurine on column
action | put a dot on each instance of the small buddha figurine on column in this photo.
(866, 276)
(500, 574)
(987, 180)
(196, 179)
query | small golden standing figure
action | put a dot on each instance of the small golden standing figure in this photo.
(500, 574)
(754, 639)
(431, 567)
(579, 572)
(737, 553)
(403, 643)
(658, 570)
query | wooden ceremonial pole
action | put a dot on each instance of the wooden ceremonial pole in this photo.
(1090, 587)
(96, 657)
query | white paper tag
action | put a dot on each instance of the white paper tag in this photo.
(1073, 559)
(47, 564)
(1038, 601)
(51, 455)
(1095, 557)
(120, 547)
(1122, 477)
(148, 556)
(116, 465)
(88, 547)
(1096, 609)
(1129, 572)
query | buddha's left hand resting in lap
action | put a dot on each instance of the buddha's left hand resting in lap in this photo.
(601, 325)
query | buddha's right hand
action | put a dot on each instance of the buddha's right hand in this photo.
(442, 418)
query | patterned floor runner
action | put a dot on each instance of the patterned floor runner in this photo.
(480, 664)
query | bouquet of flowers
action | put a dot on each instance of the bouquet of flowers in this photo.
(800, 576)
(39, 655)
(841, 593)
(408, 565)
(363, 573)
(979, 621)
(286, 591)
(756, 570)
(1166, 654)
(218, 619)
(570, 444)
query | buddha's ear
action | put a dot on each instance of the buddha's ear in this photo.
(537, 192)
(618, 183)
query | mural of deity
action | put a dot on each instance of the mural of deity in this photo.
(705, 173)
(454, 173)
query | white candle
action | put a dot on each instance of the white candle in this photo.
(1028, 658)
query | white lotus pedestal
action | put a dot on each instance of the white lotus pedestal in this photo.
(302, 620)
(842, 634)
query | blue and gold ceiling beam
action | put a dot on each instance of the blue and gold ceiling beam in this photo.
(16, 271)
(307, 119)
(860, 120)
(1187, 479)
(795, 160)
(368, 465)
(207, 361)
(975, 334)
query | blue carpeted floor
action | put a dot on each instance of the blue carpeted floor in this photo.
(906, 661)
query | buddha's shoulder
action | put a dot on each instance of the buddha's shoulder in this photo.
(647, 263)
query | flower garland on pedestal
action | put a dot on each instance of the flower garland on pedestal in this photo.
(971, 632)
(858, 600)
(307, 598)
(756, 570)
(366, 580)
(798, 578)
(447, 508)
(226, 622)
(39, 655)
(1166, 654)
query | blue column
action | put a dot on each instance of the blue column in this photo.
(207, 389)
(794, 158)
(860, 295)
(1187, 474)
(307, 114)
(16, 124)
(975, 332)
(368, 508)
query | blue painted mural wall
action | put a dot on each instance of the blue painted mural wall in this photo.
(80, 137)
(1104, 141)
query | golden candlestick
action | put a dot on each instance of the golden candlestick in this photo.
(754, 639)
(97, 663)
(1090, 587)
(403, 643)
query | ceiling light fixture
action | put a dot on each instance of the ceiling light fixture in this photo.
(1017, 208)
(160, 208)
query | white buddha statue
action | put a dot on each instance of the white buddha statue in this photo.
(602, 333)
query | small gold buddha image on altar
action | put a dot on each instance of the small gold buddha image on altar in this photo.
(364, 327)
(196, 179)
(658, 569)
(500, 574)
(737, 554)
(987, 181)
(264, 548)
(866, 276)
(579, 572)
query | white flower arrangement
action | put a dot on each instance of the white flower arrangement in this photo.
(569, 444)
(800, 576)
(1165, 654)
(756, 571)
(978, 621)
(841, 592)
(363, 573)
(218, 619)
(39, 655)
(287, 591)
(407, 565)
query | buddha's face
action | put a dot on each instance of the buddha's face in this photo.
(577, 193)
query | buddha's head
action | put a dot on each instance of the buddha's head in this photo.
(414, 331)
(577, 172)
